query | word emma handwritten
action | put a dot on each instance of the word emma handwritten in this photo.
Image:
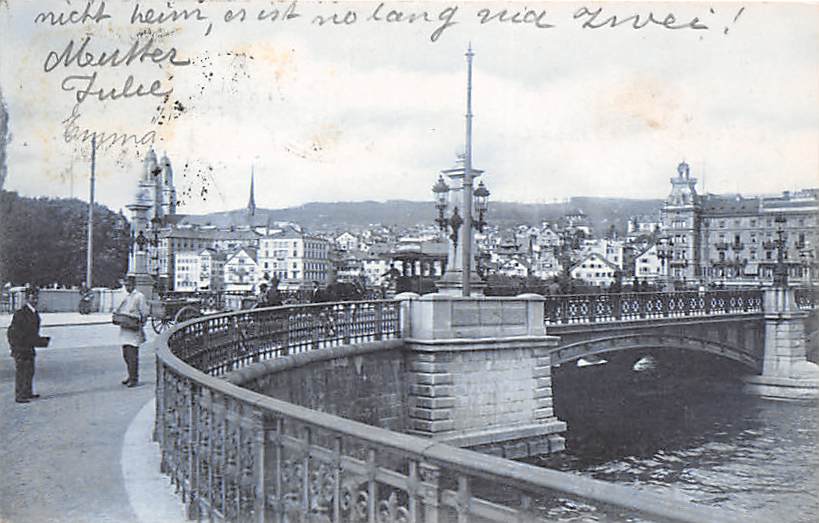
(86, 64)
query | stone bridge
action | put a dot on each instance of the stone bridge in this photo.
(728, 324)
(356, 411)
(767, 331)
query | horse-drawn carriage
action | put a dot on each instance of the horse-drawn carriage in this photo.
(169, 310)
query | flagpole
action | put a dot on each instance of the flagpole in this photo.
(89, 261)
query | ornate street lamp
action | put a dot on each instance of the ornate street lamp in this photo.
(481, 204)
(780, 273)
(807, 263)
(441, 191)
(156, 222)
(665, 254)
(481, 201)
(455, 222)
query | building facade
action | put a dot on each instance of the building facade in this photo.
(595, 270)
(735, 239)
(295, 259)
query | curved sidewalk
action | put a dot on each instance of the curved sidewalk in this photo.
(83, 451)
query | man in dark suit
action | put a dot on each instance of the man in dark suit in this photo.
(23, 335)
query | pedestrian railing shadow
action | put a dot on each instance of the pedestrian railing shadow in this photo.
(113, 387)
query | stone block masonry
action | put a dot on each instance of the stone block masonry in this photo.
(479, 374)
(495, 397)
(364, 383)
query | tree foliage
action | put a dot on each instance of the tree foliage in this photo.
(43, 242)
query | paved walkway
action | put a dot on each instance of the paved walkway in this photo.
(64, 318)
(83, 451)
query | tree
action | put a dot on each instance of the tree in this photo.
(42, 242)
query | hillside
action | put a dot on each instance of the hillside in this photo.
(340, 215)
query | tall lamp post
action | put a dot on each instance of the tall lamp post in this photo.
(664, 254)
(460, 276)
(780, 272)
(89, 259)
(156, 223)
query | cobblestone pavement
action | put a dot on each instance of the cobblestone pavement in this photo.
(60, 454)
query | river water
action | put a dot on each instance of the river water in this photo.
(683, 424)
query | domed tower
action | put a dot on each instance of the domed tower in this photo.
(683, 188)
(682, 216)
(168, 188)
(151, 183)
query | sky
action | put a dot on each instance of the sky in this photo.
(374, 110)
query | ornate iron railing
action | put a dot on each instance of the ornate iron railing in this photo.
(237, 455)
(225, 342)
(593, 308)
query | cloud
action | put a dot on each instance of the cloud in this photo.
(377, 112)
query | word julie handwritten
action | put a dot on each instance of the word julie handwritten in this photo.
(84, 85)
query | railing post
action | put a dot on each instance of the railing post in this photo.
(305, 485)
(238, 465)
(277, 438)
(337, 480)
(564, 309)
(372, 486)
(158, 404)
(526, 512)
(463, 499)
(347, 323)
(314, 332)
(211, 454)
(430, 492)
(193, 450)
(263, 465)
(591, 303)
(223, 436)
(379, 319)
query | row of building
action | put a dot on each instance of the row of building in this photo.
(694, 239)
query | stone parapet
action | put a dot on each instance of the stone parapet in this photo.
(437, 317)
(786, 373)
(479, 374)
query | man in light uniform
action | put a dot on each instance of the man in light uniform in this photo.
(135, 306)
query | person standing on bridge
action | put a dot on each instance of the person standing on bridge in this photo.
(24, 335)
(131, 333)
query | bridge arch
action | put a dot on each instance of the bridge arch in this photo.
(643, 341)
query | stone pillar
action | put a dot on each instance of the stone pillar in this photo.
(138, 258)
(480, 373)
(786, 373)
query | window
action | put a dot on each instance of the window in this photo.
(753, 222)
(722, 224)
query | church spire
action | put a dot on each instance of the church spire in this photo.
(251, 204)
